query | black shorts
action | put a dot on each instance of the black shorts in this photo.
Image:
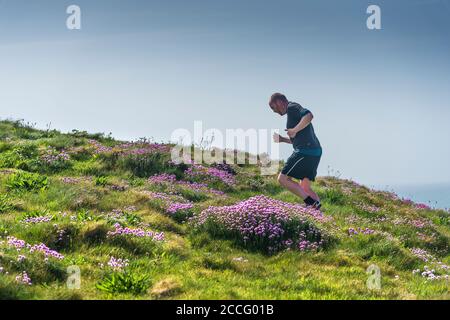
(301, 166)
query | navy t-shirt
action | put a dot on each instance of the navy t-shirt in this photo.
(305, 141)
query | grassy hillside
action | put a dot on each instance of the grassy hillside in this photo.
(141, 227)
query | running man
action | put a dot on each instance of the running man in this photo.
(303, 163)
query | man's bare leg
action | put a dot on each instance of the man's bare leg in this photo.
(293, 187)
(306, 186)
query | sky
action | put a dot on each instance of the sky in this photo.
(380, 98)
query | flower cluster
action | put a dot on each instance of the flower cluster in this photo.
(422, 254)
(71, 180)
(52, 156)
(42, 248)
(194, 186)
(439, 270)
(306, 245)
(430, 274)
(175, 207)
(171, 203)
(224, 167)
(416, 223)
(35, 220)
(137, 232)
(422, 206)
(142, 148)
(118, 264)
(117, 214)
(98, 147)
(197, 170)
(16, 243)
(23, 278)
(353, 231)
(347, 191)
(130, 148)
(46, 251)
(263, 221)
(163, 178)
(367, 207)
(419, 223)
(118, 187)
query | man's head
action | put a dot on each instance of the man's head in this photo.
(278, 103)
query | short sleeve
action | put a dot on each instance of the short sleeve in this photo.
(304, 112)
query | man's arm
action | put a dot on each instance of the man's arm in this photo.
(306, 120)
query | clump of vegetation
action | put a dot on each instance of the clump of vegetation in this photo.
(124, 282)
(5, 203)
(101, 181)
(266, 224)
(26, 181)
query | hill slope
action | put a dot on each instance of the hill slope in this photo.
(134, 225)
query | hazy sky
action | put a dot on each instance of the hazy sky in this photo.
(381, 99)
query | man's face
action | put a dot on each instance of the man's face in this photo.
(278, 106)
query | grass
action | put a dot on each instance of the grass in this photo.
(87, 194)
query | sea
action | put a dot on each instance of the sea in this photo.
(435, 195)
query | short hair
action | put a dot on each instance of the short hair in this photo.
(277, 96)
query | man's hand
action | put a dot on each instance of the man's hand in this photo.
(291, 132)
(277, 138)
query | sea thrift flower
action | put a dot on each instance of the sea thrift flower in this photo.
(16, 243)
(46, 251)
(353, 231)
(197, 170)
(98, 147)
(172, 203)
(175, 207)
(422, 254)
(430, 274)
(42, 248)
(368, 208)
(118, 264)
(163, 178)
(35, 220)
(130, 148)
(422, 206)
(52, 156)
(368, 231)
(141, 148)
(23, 278)
(194, 186)
(438, 269)
(261, 219)
(70, 180)
(418, 223)
(137, 232)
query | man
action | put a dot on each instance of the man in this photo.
(303, 163)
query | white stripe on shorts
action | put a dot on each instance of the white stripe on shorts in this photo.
(294, 165)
